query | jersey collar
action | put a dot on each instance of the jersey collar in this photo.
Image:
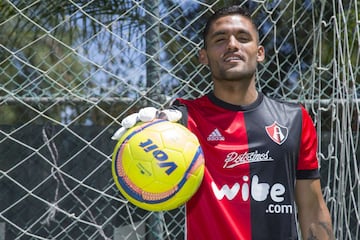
(233, 107)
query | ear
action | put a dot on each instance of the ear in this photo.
(260, 53)
(203, 57)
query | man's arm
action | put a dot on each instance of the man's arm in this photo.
(313, 214)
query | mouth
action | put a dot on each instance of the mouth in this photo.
(233, 58)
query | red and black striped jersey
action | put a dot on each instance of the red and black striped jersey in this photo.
(253, 156)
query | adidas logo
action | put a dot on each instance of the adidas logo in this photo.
(215, 136)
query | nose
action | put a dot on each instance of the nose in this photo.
(233, 43)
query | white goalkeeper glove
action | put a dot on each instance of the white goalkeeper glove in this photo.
(146, 115)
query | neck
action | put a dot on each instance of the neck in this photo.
(236, 93)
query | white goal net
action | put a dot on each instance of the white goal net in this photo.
(71, 70)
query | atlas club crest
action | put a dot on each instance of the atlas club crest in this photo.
(277, 132)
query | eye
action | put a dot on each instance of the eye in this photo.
(219, 39)
(244, 38)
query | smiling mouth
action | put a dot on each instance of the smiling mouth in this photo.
(231, 59)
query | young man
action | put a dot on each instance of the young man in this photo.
(260, 154)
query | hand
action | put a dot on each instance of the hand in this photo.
(146, 115)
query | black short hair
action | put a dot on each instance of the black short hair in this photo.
(226, 11)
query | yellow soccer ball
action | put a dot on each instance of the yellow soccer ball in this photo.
(158, 165)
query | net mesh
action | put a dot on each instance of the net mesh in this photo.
(71, 70)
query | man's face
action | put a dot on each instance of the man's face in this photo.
(232, 51)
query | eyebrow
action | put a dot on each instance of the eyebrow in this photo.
(224, 32)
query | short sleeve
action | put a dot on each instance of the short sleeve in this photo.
(308, 164)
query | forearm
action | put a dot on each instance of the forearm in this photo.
(321, 230)
(313, 214)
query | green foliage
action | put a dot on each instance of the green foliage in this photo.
(36, 62)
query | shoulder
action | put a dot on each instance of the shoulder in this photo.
(282, 109)
(183, 101)
(281, 103)
(192, 105)
(182, 104)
